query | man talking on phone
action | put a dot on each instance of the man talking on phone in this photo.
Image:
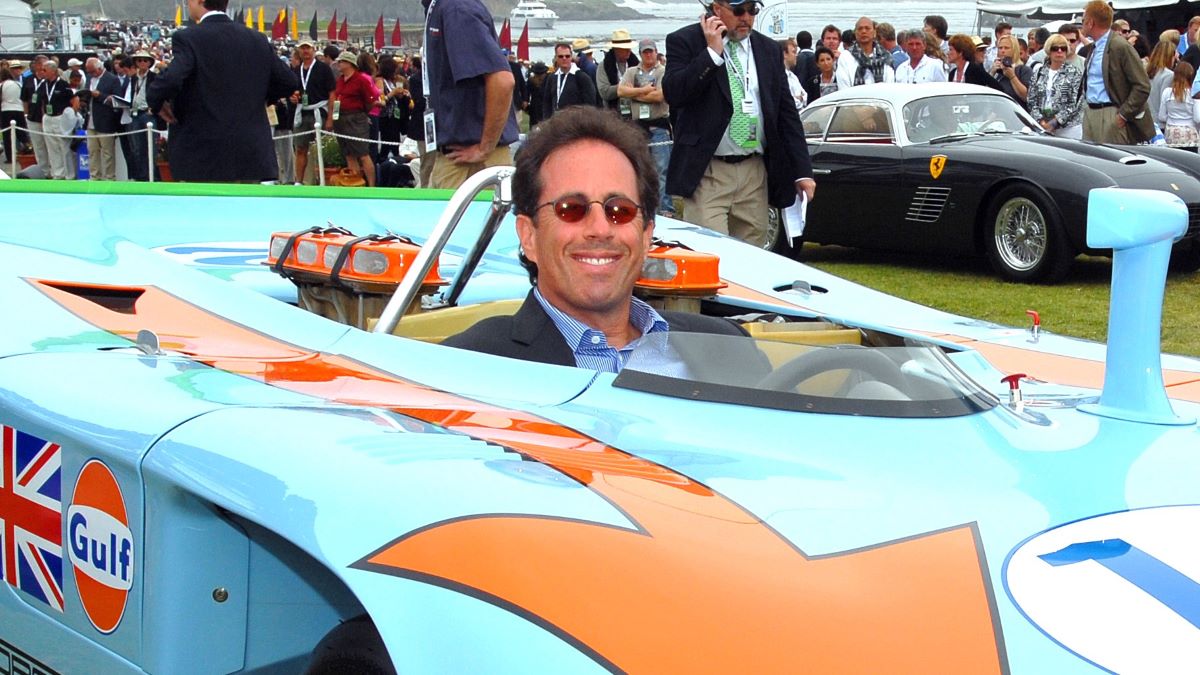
(739, 145)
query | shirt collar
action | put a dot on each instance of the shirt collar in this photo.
(641, 315)
(210, 13)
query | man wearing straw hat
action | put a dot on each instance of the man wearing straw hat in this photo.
(617, 60)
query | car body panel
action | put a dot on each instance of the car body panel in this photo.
(492, 514)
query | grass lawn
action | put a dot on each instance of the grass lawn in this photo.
(1077, 306)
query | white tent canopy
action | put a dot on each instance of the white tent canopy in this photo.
(16, 26)
(1058, 7)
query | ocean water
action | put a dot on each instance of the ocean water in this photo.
(810, 15)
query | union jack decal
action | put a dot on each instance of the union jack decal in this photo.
(31, 557)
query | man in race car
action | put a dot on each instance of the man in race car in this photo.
(583, 261)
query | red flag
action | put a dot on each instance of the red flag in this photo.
(379, 34)
(331, 32)
(279, 26)
(523, 43)
(344, 33)
(397, 36)
(505, 36)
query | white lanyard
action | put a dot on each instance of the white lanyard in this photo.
(744, 76)
(304, 77)
(50, 91)
(562, 82)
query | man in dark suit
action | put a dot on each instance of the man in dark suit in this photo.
(103, 119)
(584, 260)
(568, 85)
(214, 96)
(738, 140)
(1115, 86)
(806, 59)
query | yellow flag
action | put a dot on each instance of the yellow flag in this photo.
(295, 25)
(250, 19)
(261, 23)
(178, 15)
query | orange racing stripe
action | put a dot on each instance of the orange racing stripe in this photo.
(696, 584)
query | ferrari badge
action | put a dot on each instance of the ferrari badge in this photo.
(936, 164)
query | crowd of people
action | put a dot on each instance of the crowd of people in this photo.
(369, 101)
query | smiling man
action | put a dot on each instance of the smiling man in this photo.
(584, 237)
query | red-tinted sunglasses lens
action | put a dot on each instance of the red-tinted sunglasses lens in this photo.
(574, 208)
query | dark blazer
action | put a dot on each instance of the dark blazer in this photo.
(698, 93)
(976, 74)
(531, 335)
(577, 90)
(106, 117)
(219, 83)
(806, 70)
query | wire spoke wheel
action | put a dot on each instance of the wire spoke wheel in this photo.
(1022, 234)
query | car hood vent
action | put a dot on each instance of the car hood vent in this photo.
(927, 204)
(1133, 160)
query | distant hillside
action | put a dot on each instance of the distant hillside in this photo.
(357, 11)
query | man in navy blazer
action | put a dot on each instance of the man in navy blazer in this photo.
(103, 119)
(214, 95)
(727, 179)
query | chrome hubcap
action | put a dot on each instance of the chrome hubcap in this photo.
(1021, 234)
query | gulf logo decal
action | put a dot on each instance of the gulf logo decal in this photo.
(1120, 590)
(100, 545)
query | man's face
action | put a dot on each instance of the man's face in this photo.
(1072, 42)
(738, 26)
(832, 40)
(306, 53)
(196, 9)
(621, 54)
(588, 268)
(1001, 32)
(789, 55)
(864, 32)
(914, 47)
(562, 59)
(142, 65)
(649, 58)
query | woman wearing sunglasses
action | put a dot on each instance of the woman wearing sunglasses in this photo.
(1054, 94)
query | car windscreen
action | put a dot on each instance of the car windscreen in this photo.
(914, 380)
(935, 117)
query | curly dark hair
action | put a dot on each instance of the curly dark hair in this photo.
(579, 123)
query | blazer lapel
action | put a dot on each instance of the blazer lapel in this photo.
(533, 329)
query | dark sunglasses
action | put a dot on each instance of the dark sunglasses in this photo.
(742, 10)
(1060, 48)
(573, 208)
(562, 56)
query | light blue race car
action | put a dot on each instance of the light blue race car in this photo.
(233, 443)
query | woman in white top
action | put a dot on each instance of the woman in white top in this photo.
(1179, 109)
(11, 109)
(1162, 61)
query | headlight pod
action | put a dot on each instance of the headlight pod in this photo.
(373, 263)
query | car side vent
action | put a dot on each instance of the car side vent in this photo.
(1133, 160)
(122, 299)
(1193, 219)
(927, 204)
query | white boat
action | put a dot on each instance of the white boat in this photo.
(535, 12)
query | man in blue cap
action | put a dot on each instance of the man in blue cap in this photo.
(739, 145)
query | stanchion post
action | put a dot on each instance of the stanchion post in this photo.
(150, 150)
(12, 146)
(320, 153)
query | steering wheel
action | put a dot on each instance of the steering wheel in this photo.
(847, 357)
(993, 125)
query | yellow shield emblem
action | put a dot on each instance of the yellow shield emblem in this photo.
(936, 164)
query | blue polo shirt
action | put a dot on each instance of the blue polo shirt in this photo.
(460, 48)
(591, 348)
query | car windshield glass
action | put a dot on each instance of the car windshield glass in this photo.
(939, 117)
(913, 380)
